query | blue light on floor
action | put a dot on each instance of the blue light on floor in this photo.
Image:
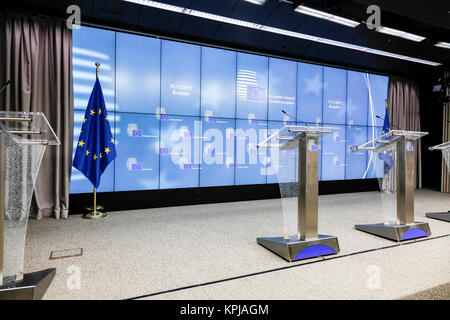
(414, 233)
(314, 251)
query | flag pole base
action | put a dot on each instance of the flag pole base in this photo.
(99, 208)
(94, 215)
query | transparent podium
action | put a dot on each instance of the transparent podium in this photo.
(296, 154)
(392, 161)
(445, 148)
(24, 137)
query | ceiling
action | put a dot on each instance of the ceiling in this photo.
(427, 18)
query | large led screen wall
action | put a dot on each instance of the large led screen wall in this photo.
(188, 116)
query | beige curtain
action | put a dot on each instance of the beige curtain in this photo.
(36, 55)
(445, 182)
(403, 106)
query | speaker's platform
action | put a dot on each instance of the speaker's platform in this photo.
(397, 232)
(31, 287)
(444, 216)
(294, 249)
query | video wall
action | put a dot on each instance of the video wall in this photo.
(186, 115)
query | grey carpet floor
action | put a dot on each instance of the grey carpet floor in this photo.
(141, 252)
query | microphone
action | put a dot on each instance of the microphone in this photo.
(393, 124)
(294, 118)
(5, 85)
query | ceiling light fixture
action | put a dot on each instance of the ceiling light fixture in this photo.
(399, 33)
(441, 44)
(293, 34)
(259, 2)
(327, 16)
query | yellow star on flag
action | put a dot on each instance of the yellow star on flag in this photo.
(100, 111)
(84, 120)
(81, 143)
(87, 152)
(107, 150)
(112, 140)
(100, 155)
(107, 118)
(92, 112)
(95, 157)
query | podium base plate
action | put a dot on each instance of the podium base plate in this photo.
(397, 232)
(294, 249)
(31, 287)
(444, 216)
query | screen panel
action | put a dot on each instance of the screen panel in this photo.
(138, 63)
(250, 160)
(180, 78)
(179, 152)
(356, 162)
(218, 88)
(334, 95)
(333, 154)
(282, 89)
(357, 98)
(91, 45)
(137, 144)
(374, 164)
(310, 92)
(251, 86)
(217, 153)
(378, 94)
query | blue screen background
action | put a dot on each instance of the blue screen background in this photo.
(186, 115)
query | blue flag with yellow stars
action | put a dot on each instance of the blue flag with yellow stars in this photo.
(386, 156)
(95, 149)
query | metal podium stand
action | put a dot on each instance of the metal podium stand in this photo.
(307, 243)
(24, 137)
(401, 144)
(445, 148)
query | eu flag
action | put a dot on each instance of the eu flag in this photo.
(386, 156)
(95, 148)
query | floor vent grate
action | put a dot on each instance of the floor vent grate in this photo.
(69, 253)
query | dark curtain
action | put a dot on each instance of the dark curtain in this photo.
(36, 55)
(403, 106)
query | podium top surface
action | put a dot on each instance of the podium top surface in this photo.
(27, 128)
(388, 139)
(287, 137)
(442, 146)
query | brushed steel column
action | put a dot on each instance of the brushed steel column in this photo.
(308, 186)
(405, 181)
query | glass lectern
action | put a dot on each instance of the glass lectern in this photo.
(298, 155)
(445, 148)
(23, 139)
(392, 158)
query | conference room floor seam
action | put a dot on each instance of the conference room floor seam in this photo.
(325, 258)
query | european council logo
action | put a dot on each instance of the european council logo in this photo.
(248, 88)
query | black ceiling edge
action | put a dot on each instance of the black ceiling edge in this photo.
(419, 71)
(145, 31)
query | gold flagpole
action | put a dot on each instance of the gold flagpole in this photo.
(95, 214)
